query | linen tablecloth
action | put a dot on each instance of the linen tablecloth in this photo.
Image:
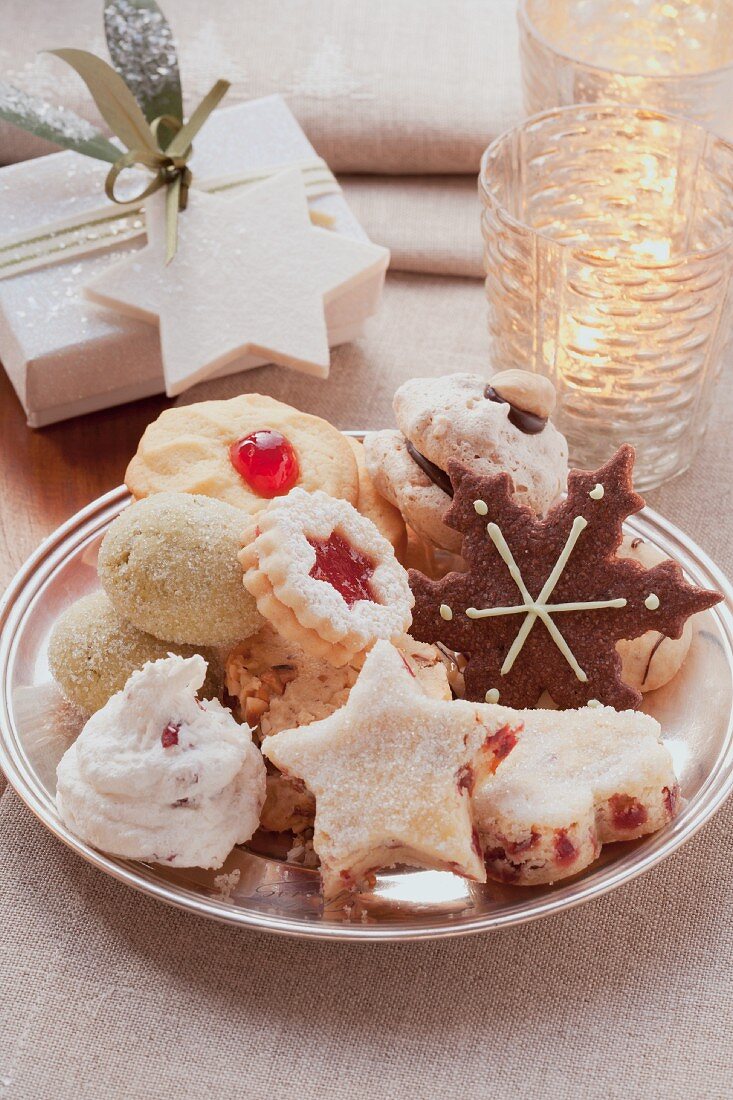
(105, 993)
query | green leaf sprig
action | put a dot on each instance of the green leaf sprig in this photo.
(150, 127)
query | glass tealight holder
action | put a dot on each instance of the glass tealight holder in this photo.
(608, 243)
(673, 55)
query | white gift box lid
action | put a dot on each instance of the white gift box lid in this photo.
(65, 355)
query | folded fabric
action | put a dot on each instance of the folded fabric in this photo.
(395, 86)
(431, 224)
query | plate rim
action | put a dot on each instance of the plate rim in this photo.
(136, 875)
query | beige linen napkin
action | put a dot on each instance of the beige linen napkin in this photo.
(429, 223)
(107, 993)
(405, 86)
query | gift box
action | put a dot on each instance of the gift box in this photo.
(65, 355)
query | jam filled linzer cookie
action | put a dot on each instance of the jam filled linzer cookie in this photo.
(495, 427)
(324, 576)
(388, 773)
(245, 451)
(544, 602)
(574, 780)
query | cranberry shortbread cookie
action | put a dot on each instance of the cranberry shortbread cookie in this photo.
(574, 780)
(324, 576)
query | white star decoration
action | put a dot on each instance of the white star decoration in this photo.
(540, 608)
(251, 275)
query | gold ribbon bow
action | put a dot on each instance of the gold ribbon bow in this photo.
(168, 161)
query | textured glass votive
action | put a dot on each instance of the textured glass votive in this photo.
(608, 241)
(673, 55)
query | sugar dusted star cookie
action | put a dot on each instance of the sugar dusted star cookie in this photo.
(575, 780)
(544, 601)
(389, 772)
(324, 576)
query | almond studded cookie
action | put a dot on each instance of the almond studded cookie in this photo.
(545, 601)
(324, 576)
(245, 451)
(278, 686)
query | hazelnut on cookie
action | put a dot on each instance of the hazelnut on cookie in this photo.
(324, 576)
(502, 426)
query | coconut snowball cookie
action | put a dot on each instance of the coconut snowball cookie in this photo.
(161, 776)
(92, 652)
(324, 576)
(169, 565)
(573, 781)
(651, 661)
(244, 451)
(501, 426)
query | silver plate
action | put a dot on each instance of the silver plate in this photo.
(36, 725)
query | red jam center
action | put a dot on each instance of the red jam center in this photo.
(267, 461)
(341, 565)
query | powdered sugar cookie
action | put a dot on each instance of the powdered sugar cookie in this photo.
(372, 504)
(324, 576)
(169, 565)
(92, 652)
(245, 451)
(387, 771)
(496, 427)
(575, 780)
(651, 661)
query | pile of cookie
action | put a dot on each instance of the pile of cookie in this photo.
(413, 651)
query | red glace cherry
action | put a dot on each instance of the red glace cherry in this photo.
(169, 736)
(267, 461)
(341, 565)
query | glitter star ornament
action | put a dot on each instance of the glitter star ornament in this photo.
(251, 275)
(545, 601)
(390, 773)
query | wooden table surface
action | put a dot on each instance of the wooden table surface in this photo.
(48, 474)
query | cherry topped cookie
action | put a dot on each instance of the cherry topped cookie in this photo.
(246, 451)
(324, 576)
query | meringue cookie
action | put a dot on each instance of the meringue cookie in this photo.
(160, 776)
(449, 418)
